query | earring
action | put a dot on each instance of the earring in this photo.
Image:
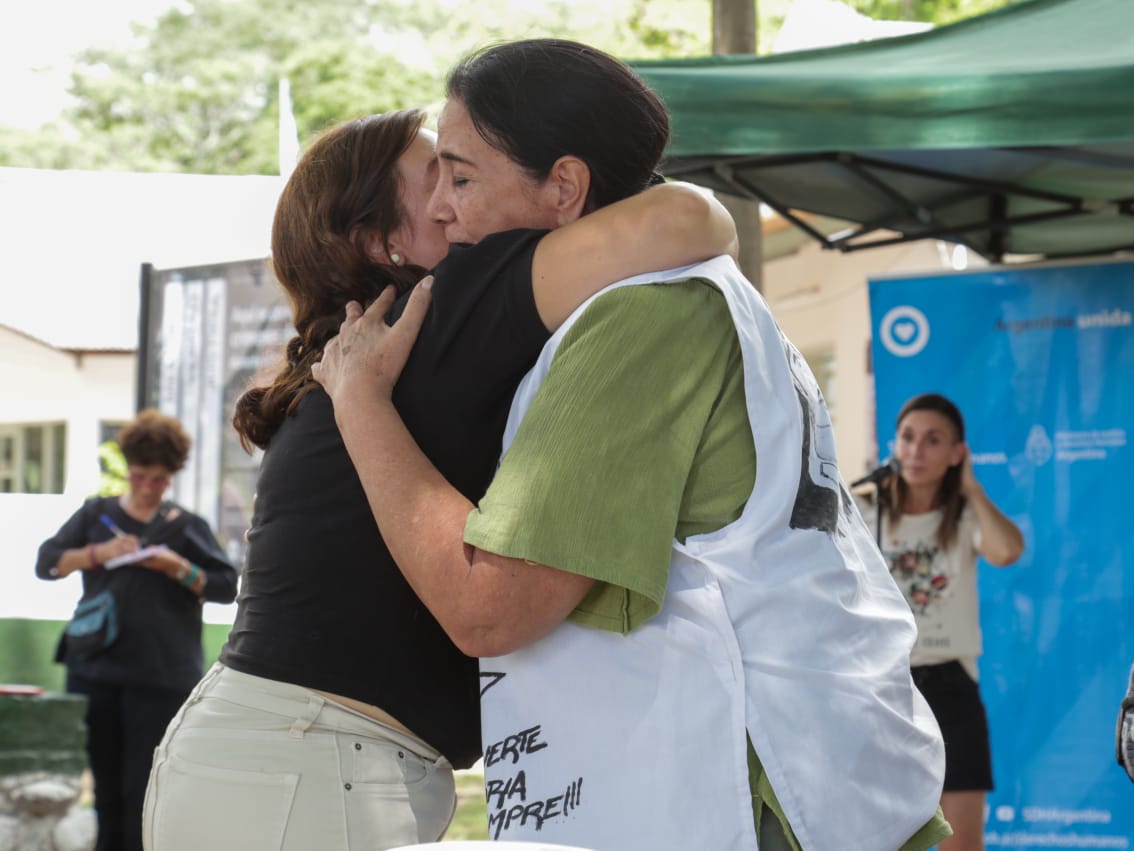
(396, 259)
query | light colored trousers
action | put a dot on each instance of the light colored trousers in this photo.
(251, 764)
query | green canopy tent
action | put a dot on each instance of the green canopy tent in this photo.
(1012, 132)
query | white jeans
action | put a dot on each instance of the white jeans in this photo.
(251, 764)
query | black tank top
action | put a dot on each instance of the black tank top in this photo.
(322, 604)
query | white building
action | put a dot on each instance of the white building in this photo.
(57, 406)
(71, 251)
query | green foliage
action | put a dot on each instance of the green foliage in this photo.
(935, 11)
(470, 821)
(198, 90)
(112, 469)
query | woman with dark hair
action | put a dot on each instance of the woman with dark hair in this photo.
(665, 630)
(937, 520)
(520, 101)
(152, 657)
(339, 707)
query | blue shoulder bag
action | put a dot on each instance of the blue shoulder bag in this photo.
(93, 626)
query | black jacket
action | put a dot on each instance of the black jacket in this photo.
(159, 621)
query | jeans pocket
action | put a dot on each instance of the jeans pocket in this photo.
(368, 760)
(379, 815)
(190, 806)
(392, 796)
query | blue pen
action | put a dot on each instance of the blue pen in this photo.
(109, 524)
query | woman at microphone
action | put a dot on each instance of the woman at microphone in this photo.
(936, 520)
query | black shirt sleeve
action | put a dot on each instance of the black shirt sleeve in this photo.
(159, 620)
(201, 547)
(71, 535)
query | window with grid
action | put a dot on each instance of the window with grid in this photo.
(32, 457)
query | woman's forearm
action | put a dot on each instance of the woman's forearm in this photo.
(679, 224)
(488, 604)
(80, 558)
(673, 224)
(73, 560)
(1001, 542)
(421, 516)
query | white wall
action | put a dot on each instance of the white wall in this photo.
(46, 385)
(82, 291)
(43, 384)
(169, 220)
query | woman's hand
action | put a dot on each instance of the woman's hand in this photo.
(116, 546)
(970, 487)
(178, 568)
(369, 350)
(167, 562)
(1001, 543)
(91, 555)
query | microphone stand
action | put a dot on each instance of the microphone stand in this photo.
(876, 477)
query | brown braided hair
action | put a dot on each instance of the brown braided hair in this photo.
(344, 189)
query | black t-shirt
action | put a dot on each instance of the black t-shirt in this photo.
(322, 603)
(159, 620)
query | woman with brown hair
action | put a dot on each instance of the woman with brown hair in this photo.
(151, 656)
(937, 520)
(339, 707)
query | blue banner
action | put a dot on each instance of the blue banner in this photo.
(1041, 362)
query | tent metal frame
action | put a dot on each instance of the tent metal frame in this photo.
(871, 172)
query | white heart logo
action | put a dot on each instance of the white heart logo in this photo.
(904, 331)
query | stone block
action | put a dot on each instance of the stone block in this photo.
(9, 833)
(47, 797)
(76, 831)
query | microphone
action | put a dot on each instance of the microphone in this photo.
(889, 467)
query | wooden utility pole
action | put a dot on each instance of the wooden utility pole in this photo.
(734, 26)
(734, 31)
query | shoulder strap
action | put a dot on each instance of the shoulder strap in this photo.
(168, 521)
(92, 510)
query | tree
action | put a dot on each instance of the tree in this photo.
(112, 469)
(197, 91)
(771, 13)
(933, 11)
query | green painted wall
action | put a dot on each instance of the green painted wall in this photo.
(27, 651)
(42, 734)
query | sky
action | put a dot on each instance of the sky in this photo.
(37, 41)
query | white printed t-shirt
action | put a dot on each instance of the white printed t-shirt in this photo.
(940, 585)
